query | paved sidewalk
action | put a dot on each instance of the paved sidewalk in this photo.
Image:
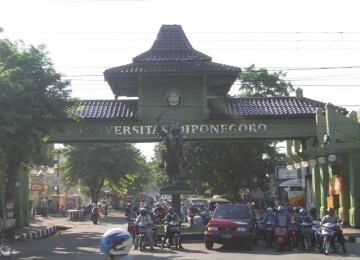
(41, 227)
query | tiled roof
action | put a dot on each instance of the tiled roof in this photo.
(171, 44)
(219, 108)
(173, 67)
(279, 107)
(125, 110)
(170, 53)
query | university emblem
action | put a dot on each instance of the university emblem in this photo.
(173, 98)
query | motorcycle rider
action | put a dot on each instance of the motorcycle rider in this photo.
(294, 220)
(269, 219)
(95, 213)
(334, 219)
(146, 219)
(303, 218)
(159, 213)
(270, 216)
(281, 218)
(313, 214)
(193, 211)
(171, 216)
(131, 215)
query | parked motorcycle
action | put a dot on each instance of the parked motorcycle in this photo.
(281, 236)
(306, 232)
(174, 235)
(329, 238)
(316, 235)
(269, 234)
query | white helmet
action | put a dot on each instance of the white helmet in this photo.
(269, 209)
(116, 241)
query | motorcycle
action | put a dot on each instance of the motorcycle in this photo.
(306, 235)
(159, 218)
(174, 235)
(316, 235)
(141, 238)
(269, 234)
(5, 247)
(94, 218)
(132, 228)
(293, 234)
(281, 236)
(330, 238)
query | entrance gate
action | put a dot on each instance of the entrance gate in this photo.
(175, 81)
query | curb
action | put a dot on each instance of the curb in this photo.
(352, 239)
(38, 234)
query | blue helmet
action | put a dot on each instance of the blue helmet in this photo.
(116, 241)
(171, 210)
(280, 208)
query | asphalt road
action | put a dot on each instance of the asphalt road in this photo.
(81, 242)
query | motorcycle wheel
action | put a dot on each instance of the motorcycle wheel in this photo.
(280, 247)
(6, 249)
(176, 242)
(307, 242)
(142, 243)
(336, 245)
(133, 234)
(293, 242)
(326, 246)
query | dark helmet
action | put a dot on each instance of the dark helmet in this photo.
(330, 209)
(143, 211)
(297, 209)
(147, 207)
(313, 211)
(171, 210)
(290, 209)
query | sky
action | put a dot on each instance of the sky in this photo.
(315, 42)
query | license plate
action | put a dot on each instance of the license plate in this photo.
(226, 236)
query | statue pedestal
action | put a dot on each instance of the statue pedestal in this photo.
(175, 190)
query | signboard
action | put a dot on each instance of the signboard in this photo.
(283, 173)
(37, 187)
(36, 179)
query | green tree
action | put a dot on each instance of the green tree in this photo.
(120, 166)
(32, 95)
(225, 167)
(259, 83)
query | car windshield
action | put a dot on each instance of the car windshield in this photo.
(231, 212)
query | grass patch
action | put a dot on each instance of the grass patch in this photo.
(184, 229)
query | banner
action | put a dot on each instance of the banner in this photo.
(296, 198)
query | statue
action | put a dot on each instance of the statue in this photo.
(173, 156)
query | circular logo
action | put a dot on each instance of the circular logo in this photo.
(173, 98)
